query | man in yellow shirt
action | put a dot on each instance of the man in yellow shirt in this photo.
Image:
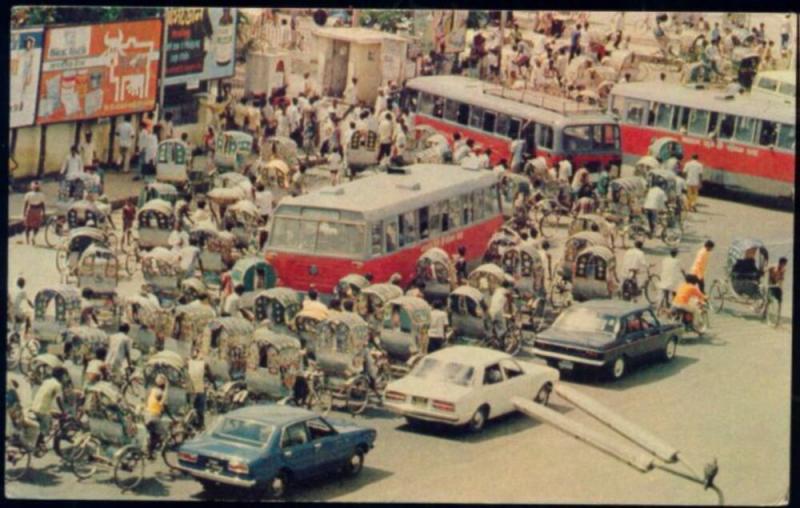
(689, 297)
(701, 263)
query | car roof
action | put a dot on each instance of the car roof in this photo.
(469, 355)
(612, 307)
(272, 414)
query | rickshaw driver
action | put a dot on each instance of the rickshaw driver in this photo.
(776, 275)
(689, 297)
(97, 368)
(199, 372)
(155, 407)
(19, 313)
(497, 306)
(634, 262)
(51, 389)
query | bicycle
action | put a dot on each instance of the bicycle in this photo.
(131, 386)
(698, 324)
(631, 291)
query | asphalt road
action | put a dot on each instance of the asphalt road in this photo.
(726, 397)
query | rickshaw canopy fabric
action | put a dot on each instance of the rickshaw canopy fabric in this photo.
(383, 291)
(247, 271)
(169, 358)
(66, 298)
(739, 248)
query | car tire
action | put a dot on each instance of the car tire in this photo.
(478, 420)
(668, 354)
(543, 395)
(413, 423)
(617, 368)
(354, 464)
(278, 486)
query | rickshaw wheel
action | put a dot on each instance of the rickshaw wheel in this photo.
(133, 391)
(82, 460)
(716, 296)
(61, 261)
(512, 342)
(321, 401)
(383, 377)
(650, 289)
(357, 395)
(18, 460)
(53, 231)
(169, 453)
(672, 236)
(26, 355)
(66, 438)
(128, 467)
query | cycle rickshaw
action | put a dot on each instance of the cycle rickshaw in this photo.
(224, 345)
(404, 336)
(645, 165)
(232, 151)
(78, 240)
(147, 321)
(253, 273)
(115, 439)
(437, 271)
(78, 214)
(486, 278)
(273, 173)
(217, 251)
(163, 272)
(281, 149)
(595, 223)
(158, 190)
(306, 325)
(526, 264)
(745, 280)
(85, 340)
(594, 274)
(245, 220)
(99, 269)
(56, 309)
(277, 305)
(188, 324)
(350, 286)
(663, 149)
(371, 299)
(500, 241)
(156, 220)
(468, 308)
(173, 160)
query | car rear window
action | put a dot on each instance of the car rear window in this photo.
(448, 372)
(586, 320)
(245, 431)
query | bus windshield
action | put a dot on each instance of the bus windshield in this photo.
(318, 236)
(586, 138)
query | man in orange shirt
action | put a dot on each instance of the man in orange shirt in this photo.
(689, 296)
(701, 263)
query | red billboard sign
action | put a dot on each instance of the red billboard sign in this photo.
(93, 71)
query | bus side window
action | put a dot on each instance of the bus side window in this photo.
(454, 212)
(768, 133)
(438, 107)
(476, 117)
(501, 125)
(466, 203)
(545, 137)
(426, 103)
(697, 122)
(488, 121)
(513, 128)
(424, 225)
(478, 204)
(634, 111)
(664, 116)
(443, 209)
(493, 196)
(451, 110)
(391, 235)
(745, 129)
(651, 114)
(681, 119)
(786, 137)
(712, 123)
(726, 125)
(376, 238)
(463, 114)
(408, 228)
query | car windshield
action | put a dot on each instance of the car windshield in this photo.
(448, 372)
(586, 320)
(244, 431)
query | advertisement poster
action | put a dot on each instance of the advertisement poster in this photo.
(200, 44)
(26, 56)
(102, 70)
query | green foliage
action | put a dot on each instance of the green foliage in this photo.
(384, 19)
(33, 16)
(477, 19)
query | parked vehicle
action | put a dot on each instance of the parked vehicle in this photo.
(594, 274)
(55, 310)
(609, 335)
(188, 324)
(232, 150)
(156, 220)
(438, 273)
(277, 306)
(266, 447)
(745, 280)
(465, 385)
(224, 346)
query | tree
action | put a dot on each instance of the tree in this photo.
(33, 16)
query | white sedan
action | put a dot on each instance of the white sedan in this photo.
(467, 385)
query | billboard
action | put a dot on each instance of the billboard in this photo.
(26, 57)
(200, 44)
(93, 71)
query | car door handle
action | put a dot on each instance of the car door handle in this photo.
(287, 454)
(317, 446)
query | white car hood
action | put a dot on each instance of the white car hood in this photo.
(411, 385)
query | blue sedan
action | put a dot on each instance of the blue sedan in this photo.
(266, 447)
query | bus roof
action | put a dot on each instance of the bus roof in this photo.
(475, 92)
(782, 76)
(387, 194)
(709, 100)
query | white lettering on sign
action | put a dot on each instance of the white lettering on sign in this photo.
(708, 144)
(735, 149)
(690, 141)
(752, 151)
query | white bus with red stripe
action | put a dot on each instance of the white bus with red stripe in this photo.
(746, 143)
(381, 224)
(552, 127)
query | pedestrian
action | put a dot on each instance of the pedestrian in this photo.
(399, 142)
(293, 117)
(517, 149)
(715, 33)
(464, 151)
(33, 212)
(198, 373)
(380, 103)
(150, 151)
(119, 349)
(334, 167)
(484, 159)
(775, 276)
(72, 171)
(701, 263)
(19, 312)
(634, 263)
(671, 275)
(460, 263)
(694, 180)
(786, 31)
(655, 202)
(350, 96)
(574, 42)
(231, 305)
(87, 149)
(385, 131)
(96, 369)
(298, 180)
(440, 323)
(565, 170)
(124, 135)
(155, 407)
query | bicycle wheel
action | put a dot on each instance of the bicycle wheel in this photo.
(320, 399)
(53, 231)
(128, 467)
(29, 350)
(83, 458)
(66, 437)
(169, 451)
(651, 289)
(671, 235)
(18, 460)
(358, 395)
(716, 296)
(61, 261)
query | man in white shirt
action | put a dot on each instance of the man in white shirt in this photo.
(19, 299)
(150, 151)
(200, 214)
(671, 275)
(263, 201)
(634, 259)
(51, 390)
(119, 349)
(437, 332)
(399, 142)
(380, 103)
(350, 93)
(694, 178)
(308, 85)
(786, 31)
(231, 306)
(385, 131)
(124, 136)
(654, 202)
(565, 170)
(72, 169)
(484, 159)
(463, 151)
(517, 148)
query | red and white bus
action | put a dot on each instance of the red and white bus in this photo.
(745, 143)
(381, 224)
(552, 127)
